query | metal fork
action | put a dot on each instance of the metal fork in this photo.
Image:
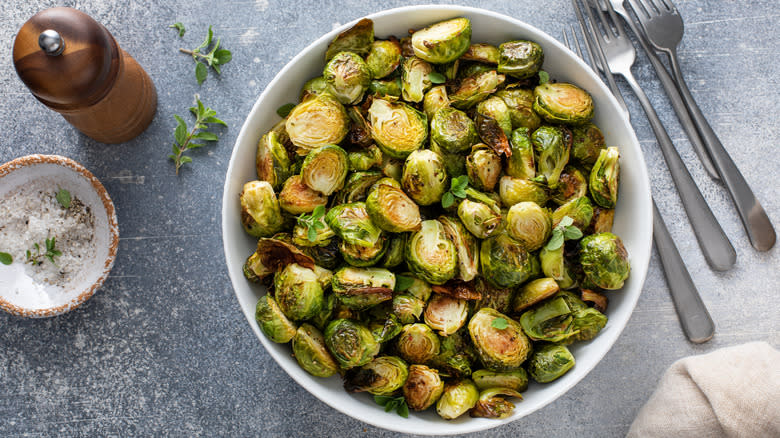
(619, 57)
(694, 317)
(663, 27)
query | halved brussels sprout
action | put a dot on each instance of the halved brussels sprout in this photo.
(483, 167)
(495, 108)
(550, 362)
(434, 100)
(365, 159)
(357, 186)
(247, 270)
(499, 340)
(322, 237)
(424, 178)
(520, 102)
(348, 77)
(555, 266)
(417, 343)
(601, 221)
(272, 162)
(533, 292)
(391, 210)
(453, 130)
(579, 209)
(362, 256)
(350, 342)
(394, 255)
(423, 387)
(361, 288)
(514, 190)
(454, 164)
(549, 321)
(571, 184)
(473, 68)
(587, 323)
(325, 169)
(559, 102)
(446, 314)
(530, 224)
(314, 86)
(505, 262)
(521, 59)
(551, 146)
(474, 89)
(382, 376)
(604, 176)
(261, 215)
(430, 255)
(397, 128)
(521, 163)
(587, 143)
(492, 297)
(490, 405)
(272, 321)
(442, 42)
(465, 244)
(457, 399)
(310, 351)
(298, 292)
(357, 39)
(317, 121)
(481, 220)
(414, 79)
(604, 260)
(352, 223)
(481, 52)
(390, 87)
(408, 308)
(383, 57)
(486, 379)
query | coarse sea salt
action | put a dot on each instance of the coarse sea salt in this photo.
(29, 215)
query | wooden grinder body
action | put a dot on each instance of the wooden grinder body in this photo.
(93, 83)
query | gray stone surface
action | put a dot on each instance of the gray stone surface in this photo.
(163, 349)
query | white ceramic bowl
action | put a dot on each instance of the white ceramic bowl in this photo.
(632, 219)
(28, 298)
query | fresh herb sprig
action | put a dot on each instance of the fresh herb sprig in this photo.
(499, 323)
(393, 403)
(180, 27)
(313, 222)
(63, 197)
(205, 57)
(564, 231)
(457, 190)
(183, 141)
(6, 258)
(36, 259)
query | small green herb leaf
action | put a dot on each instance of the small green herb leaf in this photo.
(201, 72)
(180, 27)
(572, 233)
(206, 56)
(458, 187)
(6, 258)
(447, 200)
(555, 241)
(393, 403)
(544, 77)
(403, 283)
(313, 222)
(436, 78)
(63, 197)
(285, 109)
(499, 323)
(183, 141)
(565, 222)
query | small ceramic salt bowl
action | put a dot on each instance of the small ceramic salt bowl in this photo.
(58, 235)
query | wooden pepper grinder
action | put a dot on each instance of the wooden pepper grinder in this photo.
(73, 65)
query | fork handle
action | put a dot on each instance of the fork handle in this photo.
(755, 220)
(714, 243)
(694, 317)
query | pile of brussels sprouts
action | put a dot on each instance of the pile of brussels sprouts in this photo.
(434, 220)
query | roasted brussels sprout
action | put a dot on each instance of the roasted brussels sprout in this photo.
(604, 260)
(572, 184)
(516, 380)
(394, 255)
(530, 224)
(272, 321)
(550, 362)
(472, 69)
(549, 321)
(408, 308)
(465, 244)
(272, 162)
(481, 52)
(579, 209)
(414, 79)
(417, 343)
(490, 405)
(296, 197)
(361, 288)
(559, 102)
(357, 39)
(385, 328)
(520, 102)
(260, 211)
(352, 223)
(298, 292)
(505, 262)
(495, 298)
(474, 89)
(587, 143)
(365, 159)
(348, 76)
(601, 221)
(391, 210)
(397, 128)
(533, 292)
(453, 130)
(495, 108)
(515, 190)
(454, 164)
(424, 178)
(390, 87)
(521, 163)
(434, 100)
(314, 86)
(551, 146)
(357, 186)
(446, 314)
(555, 266)
(481, 220)
(350, 342)
(362, 256)
(499, 340)
(457, 399)
(382, 376)
(383, 58)
(520, 59)
(587, 323)
(430, 255)
(604, 176)
(310, 351)
(423, 387)
(325, 169)
(317, 121)
(457, 355)
(442, 42)
(483, 167)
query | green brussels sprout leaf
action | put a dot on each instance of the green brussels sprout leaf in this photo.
(284, 110)
(393, 403)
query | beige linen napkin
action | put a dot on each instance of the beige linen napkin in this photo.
(731, 392)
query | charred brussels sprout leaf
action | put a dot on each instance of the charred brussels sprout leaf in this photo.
(495, 108)
(560, 102)
(423, 387)
(348, 77)
(604, 260)
(520, 59)
(550, 362)
(505, 262)
(453, 130)
(499, 349)
(350, 342)
(383, 58)
(357, 39)
(457, 399)
(260, 211)
(272, 321)
(530, 224)
(430, 254)
(298, 292)
(308, 345)
(317, 121)
(325, 169)
(552, 145)
(382, 376)
(442, 42)
(397, 128)
(415, 79)
(490, 405)
(604, 178)
(417, 343)
(424, 178)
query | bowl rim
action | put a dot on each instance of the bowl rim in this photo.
(638, 273)
(35, 159)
